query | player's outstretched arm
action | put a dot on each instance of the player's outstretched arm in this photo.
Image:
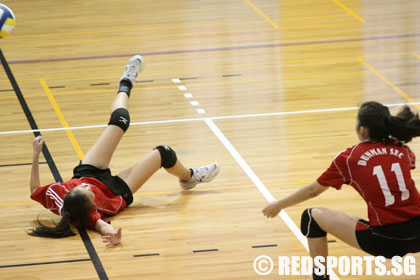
(309, 191)
(110, 235)
(37, 145)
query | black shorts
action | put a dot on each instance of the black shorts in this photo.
(116, 185)
(391, 240)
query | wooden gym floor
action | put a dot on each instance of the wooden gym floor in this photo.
(269, 89)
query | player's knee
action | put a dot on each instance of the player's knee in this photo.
(121, 118)
(309, 226)
(167, 155)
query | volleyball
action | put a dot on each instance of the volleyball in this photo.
(7, 21)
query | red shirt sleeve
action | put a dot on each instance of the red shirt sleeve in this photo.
(91, 218)
(337, 174)
(39, 195)
(411, 156)
(50, 196)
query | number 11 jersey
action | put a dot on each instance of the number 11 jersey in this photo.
(381, 173)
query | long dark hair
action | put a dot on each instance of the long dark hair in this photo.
(75, 207)
(381, 124)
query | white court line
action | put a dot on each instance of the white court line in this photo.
(260, 186)
(254, 178)
(202, 119)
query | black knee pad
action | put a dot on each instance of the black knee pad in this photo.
(168, 156)
(309, 226)
(121, 118)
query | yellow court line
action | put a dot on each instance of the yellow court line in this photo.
(348, 10)
(62, 118)
(18, 203)
(269, 20)
(415, 54)
(388, 82)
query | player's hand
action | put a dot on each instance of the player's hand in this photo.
(37, 144)
(272, 209)
(112, 238)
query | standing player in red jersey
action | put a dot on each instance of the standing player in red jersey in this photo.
(93, 193)
(379, 169)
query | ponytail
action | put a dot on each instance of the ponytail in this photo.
(405, 125)
(62, 229)
(381, 124)
(75, 208)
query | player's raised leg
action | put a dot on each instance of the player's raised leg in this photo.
(100, 153)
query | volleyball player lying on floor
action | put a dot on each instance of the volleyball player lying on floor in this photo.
(93, 193)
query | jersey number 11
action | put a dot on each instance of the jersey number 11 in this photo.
(389, 198)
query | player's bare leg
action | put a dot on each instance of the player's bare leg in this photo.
(138, 174)
(339, 224)
(164, 156)
(101, 152)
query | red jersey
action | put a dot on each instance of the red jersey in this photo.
(381, 173)
(105, 203)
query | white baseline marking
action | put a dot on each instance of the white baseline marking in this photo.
(202, 119)
(260, 185)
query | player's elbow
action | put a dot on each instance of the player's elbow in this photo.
(33, 188)
(312, 193)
